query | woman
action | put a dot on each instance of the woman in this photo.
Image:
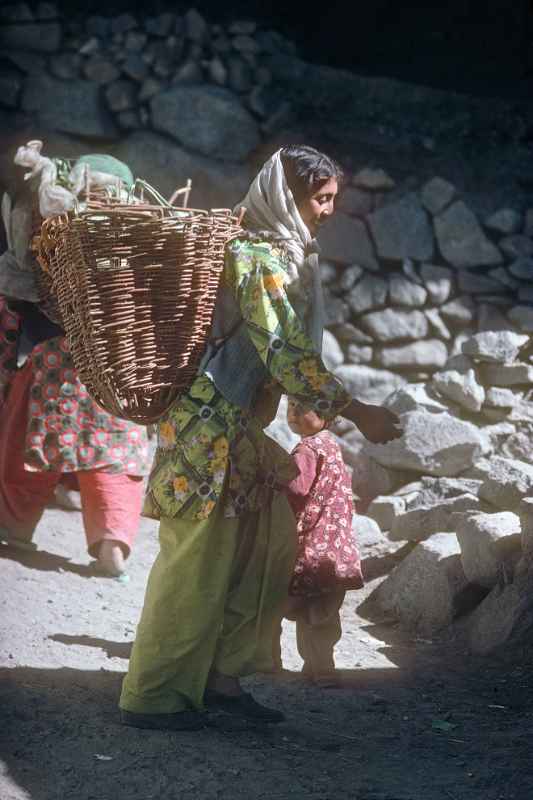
(49, 426)
(227, 532)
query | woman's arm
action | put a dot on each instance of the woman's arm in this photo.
(287, 351)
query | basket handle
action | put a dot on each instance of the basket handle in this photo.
(185, 190)
(145, 187)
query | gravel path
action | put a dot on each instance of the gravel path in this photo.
(413, 721)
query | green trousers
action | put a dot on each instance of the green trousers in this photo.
(214, 593)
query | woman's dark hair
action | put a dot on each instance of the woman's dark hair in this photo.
(306, 170)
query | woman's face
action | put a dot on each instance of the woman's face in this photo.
(318, 207)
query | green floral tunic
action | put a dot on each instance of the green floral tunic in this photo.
(209, 448)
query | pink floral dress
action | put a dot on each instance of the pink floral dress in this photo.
(321, 498)
(67, 431)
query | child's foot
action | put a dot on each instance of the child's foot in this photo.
(111, 558)
(323, 680)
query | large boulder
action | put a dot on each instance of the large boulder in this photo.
(346, 240)
(460, 311)
(432, 491)
(167, 166)
(392, 324)
(438, 282)
(461, 387)
(420, 523)
(431, 444)
(437, 324)
(519, 445)
(368, 384)
(508, 481)
(402, 230)
(371, 542)
(522, 268)
(370, 479)
(368, 294)
(412, 397)
(427, 354)
(378, 554)
(424, 591)
(436, 194)
(404, 292)
(486, 541)
(505, 615)
(522, 317)
(473, 283)
(385, 509)
(505, 221)
(500, 347)
(206, 119)
(73, 106)
(461, 239)
(39, 36)
(506, 374)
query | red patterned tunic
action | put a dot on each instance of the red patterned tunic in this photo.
(321, 497)
(67, 431)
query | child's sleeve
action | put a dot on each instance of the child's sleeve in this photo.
(306, 461)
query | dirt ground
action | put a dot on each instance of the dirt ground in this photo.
(413, 721)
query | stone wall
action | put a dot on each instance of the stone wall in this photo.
(431, 252)
(463, 497)
(410, 274)
(225, 92)
(99, 77)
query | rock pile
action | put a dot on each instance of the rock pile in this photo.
(468, 505)
(176, 74)
(220, 91)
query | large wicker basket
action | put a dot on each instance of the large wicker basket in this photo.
(136, 286)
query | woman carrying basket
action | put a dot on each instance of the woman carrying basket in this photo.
(227, 532)
(49, 426)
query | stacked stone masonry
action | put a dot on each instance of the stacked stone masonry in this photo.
(429, 298)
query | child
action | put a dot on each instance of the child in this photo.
(327, 561)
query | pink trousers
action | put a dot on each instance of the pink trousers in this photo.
(111, 503)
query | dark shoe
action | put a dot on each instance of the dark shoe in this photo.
(242, 705)
(21, 542)
(180, 721)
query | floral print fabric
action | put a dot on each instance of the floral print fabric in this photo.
(67, 431)
(208, 447)
(321, 497)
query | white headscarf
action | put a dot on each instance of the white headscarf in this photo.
(270, 206)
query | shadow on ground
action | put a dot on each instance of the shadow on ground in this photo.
(404, 734)
(44, 561)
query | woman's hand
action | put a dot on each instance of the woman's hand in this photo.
(377, 424)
